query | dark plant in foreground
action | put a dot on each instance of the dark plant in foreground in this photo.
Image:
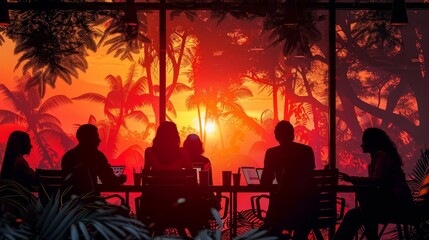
(417, 176)
(86, 217)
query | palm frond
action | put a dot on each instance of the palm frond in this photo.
(179, 88)
(7, 116)
(241, 118)
(84, 216)
(138, 115)
(421, 168)
(92, 97)
(54, 102)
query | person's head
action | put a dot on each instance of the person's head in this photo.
(193, 144)
(375, 139)
(166, 144)
(87, 136)
(18, 144)
(284, 132)
(167, 134)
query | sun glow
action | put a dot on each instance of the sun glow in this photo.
(210, 127)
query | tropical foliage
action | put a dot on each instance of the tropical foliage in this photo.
(85, 217)
(420, 170)
(122, 104)
(381, 71)
(27, 109)
(55, 43)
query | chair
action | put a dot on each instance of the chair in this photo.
(50, 183)
(331, 207)
(218, 197)
(419, 215)
(165, 199)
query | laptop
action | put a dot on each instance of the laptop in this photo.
(250, 176)
(117, 170)
(259, 172)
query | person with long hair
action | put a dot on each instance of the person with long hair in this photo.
(167, 207)
(209, 200)
(390, 197)
(166, 153)
(15, 167)
(195, 148)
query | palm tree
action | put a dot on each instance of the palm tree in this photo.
(222, 103)
(122, 103)
(122, 39)
(179, 52)
(30, 111)
(53, 44)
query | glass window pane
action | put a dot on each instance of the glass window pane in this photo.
(380, 72)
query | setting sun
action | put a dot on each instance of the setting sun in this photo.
(210, 127)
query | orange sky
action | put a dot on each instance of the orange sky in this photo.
(93, 80)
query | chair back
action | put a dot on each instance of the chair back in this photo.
(50, 183)
(165, 197)
(169, 177)
(326, 182)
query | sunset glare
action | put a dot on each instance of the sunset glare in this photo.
(210, 127)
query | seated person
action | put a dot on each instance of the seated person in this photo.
(15, 167)
(83, 164)
(294, 207)
(194, 146)
(166, 154)
(391, 200)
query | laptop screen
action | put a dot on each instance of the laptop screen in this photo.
(250, 175)
(117, 170)
(259, 172)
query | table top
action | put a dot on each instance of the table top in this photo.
(219, 188)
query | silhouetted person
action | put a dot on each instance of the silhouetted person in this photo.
(82, 164)
(194, 146)
(166, 154)
(294, 207)
(15, 167)
(392, 199)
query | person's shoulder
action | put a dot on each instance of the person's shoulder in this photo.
(200, 159)
(273, 149)
(205, 159)
(302, 146)
(100, 154)
(20, 161)
(69, 154)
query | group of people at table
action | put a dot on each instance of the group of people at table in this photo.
(293, 207)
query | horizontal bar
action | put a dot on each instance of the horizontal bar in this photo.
(199, 6)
